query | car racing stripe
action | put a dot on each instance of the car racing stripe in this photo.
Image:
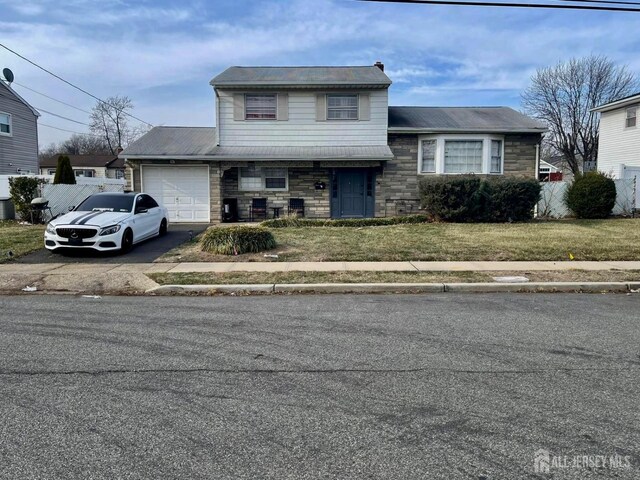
(90, 217)
(77, 219)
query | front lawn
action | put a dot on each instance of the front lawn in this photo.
(612, 239)
(19, 239)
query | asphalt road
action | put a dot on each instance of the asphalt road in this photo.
(145, 252)
(305, 387)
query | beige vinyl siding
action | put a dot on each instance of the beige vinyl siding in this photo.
(20, 149)
(618, 145)
(302, 128)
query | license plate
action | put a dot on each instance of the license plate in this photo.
(75, 241)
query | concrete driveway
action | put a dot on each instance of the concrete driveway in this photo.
(145, 252)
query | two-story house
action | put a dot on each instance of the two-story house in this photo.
(323, 142)
(619, 143)
(18, 133)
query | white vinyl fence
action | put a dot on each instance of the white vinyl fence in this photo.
(61, 197)
(551, 204)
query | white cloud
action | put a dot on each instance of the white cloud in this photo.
(432, 53)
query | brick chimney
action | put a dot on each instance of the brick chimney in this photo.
(379, 64)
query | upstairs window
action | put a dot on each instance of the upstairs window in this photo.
(631, 117)
(342, 107)
(261, 107)
(5, 124)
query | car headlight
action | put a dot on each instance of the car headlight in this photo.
(51, 229)
(110, 230)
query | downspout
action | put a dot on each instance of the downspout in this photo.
(535, 208)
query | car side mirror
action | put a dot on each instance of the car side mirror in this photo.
(71, 208)
(141, 210)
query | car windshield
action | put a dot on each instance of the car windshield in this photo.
(111, 203)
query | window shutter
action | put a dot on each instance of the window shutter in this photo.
(321, 107)
(283, 106)
(365, 106)
(238, 106)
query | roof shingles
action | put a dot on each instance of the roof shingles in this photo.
(457, 119)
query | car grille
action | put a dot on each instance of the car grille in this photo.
(79, 232)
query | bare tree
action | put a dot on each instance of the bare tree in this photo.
(110, 122)
(84, 145)
(563, 95)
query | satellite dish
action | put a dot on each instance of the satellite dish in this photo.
(8, 74)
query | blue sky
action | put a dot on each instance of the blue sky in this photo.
(162, 54)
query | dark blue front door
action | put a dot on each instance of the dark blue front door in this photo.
(352, 194)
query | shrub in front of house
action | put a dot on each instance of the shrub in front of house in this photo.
(451, 199)
(22, 190)
(508, 199)
(592, 195)
(472, 199)
(293, 221)
(237, 240)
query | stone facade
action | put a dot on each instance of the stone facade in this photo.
(398, 185)
(396, 181)
(302, 180)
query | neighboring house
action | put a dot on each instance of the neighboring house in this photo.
(324, 138)
(549, 172)
(99, 166)
(18, 133)
(619, 143)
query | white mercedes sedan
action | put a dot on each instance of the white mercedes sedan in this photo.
(108, 222)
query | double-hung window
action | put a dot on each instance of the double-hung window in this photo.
(429, 156)
(496, 156)
(342, 107)
(463, 156)
(5, 124)
(259, 178)
(631, 120)
(261, 106)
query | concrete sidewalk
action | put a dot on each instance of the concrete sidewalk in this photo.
(222, 267)
(131, 278)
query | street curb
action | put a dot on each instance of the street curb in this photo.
(531, 287)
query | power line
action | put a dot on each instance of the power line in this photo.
(51, 98)
(573, 6)
(71, 84)
(65, 130)
(64, 118)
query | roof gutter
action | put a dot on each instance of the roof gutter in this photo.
(247, 158)
(617, 104)
(464, 130)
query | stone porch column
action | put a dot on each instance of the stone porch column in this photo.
(215, 192)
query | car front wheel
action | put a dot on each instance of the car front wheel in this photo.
(163, 227)
(127, 241)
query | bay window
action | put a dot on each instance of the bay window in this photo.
(262, 178)
(428, 156)
(461, 154)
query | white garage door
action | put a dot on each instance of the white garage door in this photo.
(184, 190)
